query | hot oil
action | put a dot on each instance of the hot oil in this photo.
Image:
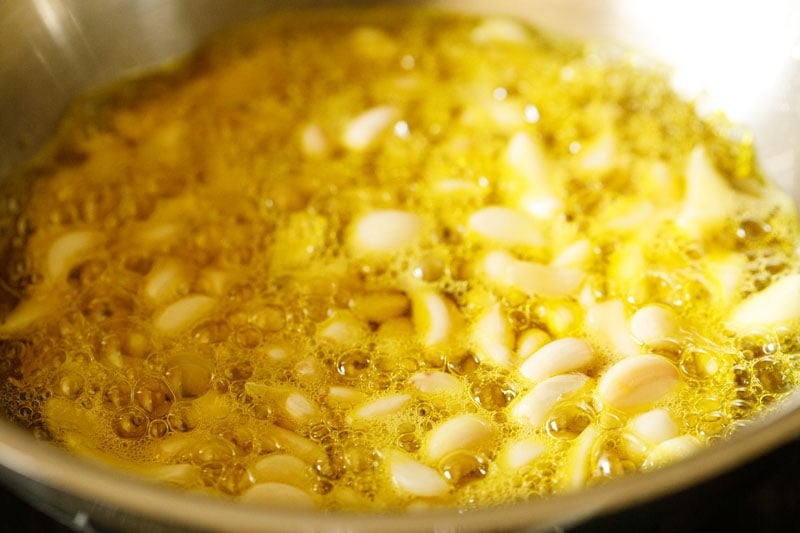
(228, 179)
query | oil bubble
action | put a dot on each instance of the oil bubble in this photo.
(131, 423)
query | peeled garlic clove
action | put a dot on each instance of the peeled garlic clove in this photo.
(339, 396)
(492, 337)
(178, 475)
(342, 329)
(184, 312)
(313, 141)
(638, 381)
(465, 432)
(726, 272)
(155, 234)
(280, 468)
(535, 279)
(524, 452)
(25, 314)
(709, 197)
(435, 381)
(291, 406)
(579, 460)
(173, 446)
(414, 477)
(506, 226)
(294, 444)
(607, 322)
(778, 303)
(436, 318)
(557, 357)
(526, 159)
(654, 426)
(531, 278)
(385, 231)
(277, 495)
(497, 266)
(530, 341)
(577, 255)
(167, 280)
(300, 409)
(68, 251)
(361, 131)
(533, 406)
(379, 408)
(670, 451)
(655, 326)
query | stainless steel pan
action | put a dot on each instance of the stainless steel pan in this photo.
(745, 56)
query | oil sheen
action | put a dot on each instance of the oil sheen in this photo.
(394, 260)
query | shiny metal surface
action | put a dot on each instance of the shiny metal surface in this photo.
(744, 55)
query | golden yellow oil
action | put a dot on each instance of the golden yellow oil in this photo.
(226, 178)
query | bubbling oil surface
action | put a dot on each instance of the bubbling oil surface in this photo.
(229, 185)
